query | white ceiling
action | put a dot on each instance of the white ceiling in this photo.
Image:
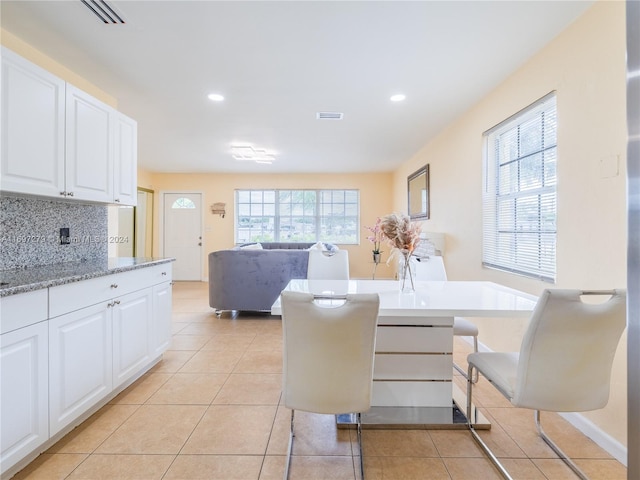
(278, 63)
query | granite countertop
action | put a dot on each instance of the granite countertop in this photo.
(21, 280)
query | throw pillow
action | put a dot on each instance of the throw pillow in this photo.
(252, 246)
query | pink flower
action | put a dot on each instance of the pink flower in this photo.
(376, 236)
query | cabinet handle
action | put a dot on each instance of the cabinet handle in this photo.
(64, 194)
(114, 285)
(70, 194)
(117, 200)
(110, 304)
(116, 302)
(164, 273)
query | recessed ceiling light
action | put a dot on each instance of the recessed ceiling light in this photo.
(398, 97)
(215, 97)
(329, 115)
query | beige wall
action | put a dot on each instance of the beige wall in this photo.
(27, 51)
(585, 65)
(145, 178)
(375, 200)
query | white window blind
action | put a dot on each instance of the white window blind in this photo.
(519, 194)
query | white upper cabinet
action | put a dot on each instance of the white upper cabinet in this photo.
(89, 147)
(33, 116)
(57, 140)
(126, 161)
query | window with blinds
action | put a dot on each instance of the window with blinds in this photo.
(519, 194)
(297, 216)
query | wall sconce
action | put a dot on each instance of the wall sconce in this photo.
(218, 209)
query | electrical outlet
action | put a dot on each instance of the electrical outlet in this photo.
(65, 239)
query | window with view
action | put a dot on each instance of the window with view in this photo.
(297, 216)
(519, 194)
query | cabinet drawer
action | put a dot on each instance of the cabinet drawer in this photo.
(413, 367)
(412, 394)
(73, 296)
(17, 311)
(161, 273)
(414, 339)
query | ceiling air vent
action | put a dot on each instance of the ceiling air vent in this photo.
(105, 12)
(329, 115)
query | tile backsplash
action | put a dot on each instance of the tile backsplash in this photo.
(30, 232)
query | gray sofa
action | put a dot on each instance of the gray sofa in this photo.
(246, 279)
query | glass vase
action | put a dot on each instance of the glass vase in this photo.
(407, 272)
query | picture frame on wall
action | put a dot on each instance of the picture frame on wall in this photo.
(418, 194)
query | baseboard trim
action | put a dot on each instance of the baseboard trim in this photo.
(613, 447)
(605, 441)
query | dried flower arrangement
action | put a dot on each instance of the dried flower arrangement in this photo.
(400, 232)
(403, 236)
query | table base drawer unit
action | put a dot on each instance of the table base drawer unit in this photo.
(433, 339)
(412, 394)
(415, 321)
(412, 367)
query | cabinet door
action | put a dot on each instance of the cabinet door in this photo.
(161, 318)
(24, 396)
(80, 353)
(33, 116)
(89, 147)
(126, 160)
(132, 332)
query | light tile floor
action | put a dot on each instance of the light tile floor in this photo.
(210, 410)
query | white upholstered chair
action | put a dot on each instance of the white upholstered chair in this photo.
(432, 268)
(564, 363)
(328, 265)
(328, 357)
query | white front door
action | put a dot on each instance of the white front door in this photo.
(183, 234)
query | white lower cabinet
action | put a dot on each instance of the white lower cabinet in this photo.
(161, 318)
(132, 334)
(68, 349)
(24, 392)
(80, 363)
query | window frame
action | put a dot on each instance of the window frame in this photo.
(318, 216)
(513, 196)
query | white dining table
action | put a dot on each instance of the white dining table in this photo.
(413, 367)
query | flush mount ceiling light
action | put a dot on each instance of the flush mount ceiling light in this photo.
(247, 152)
(215, 97)
(397, 97)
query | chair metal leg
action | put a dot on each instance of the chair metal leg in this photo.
(557, 449)
(289, 448)
(359, 427)
(461, 370)
(474, 434)
(292, 435)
